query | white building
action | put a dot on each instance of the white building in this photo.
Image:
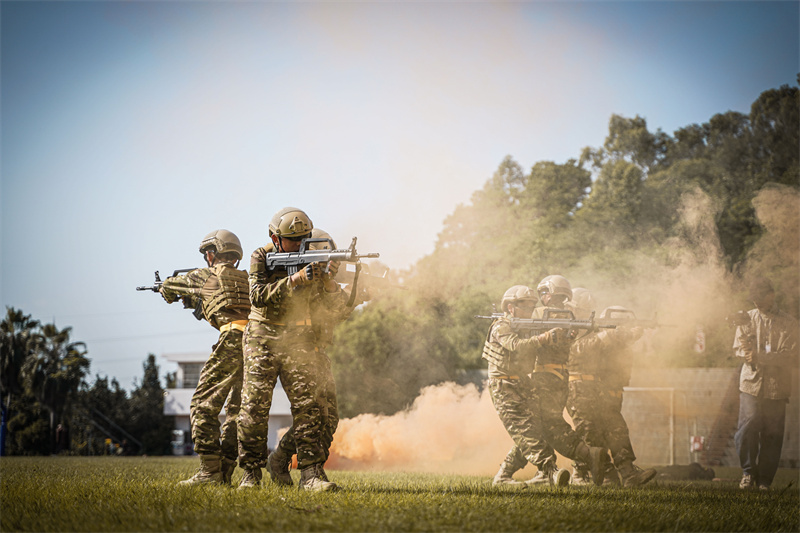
(176, 402)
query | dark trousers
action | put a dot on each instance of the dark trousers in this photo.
(759, 438)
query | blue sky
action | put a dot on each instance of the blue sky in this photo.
(132, 129)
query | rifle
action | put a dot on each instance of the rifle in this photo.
(551, 318)
(367, 280)
(294, 261)
(156, 287)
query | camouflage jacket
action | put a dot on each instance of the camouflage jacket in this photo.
(605, 355)
(507, 352)
(274, 302)
(775, 340)
(221, 291)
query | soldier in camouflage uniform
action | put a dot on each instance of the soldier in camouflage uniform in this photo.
(549, 397)
(599, 367)
(511, 357)
(281, 342)
(221, 291)
(323, 322)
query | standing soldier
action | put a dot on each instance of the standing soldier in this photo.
(511, 358)
(323, 322)
(221, 291)
(768, 347)
(599, 367)
(280, 342)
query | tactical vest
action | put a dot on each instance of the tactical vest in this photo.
(495, 354)
(233, 291)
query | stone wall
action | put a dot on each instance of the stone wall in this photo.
(666, 407)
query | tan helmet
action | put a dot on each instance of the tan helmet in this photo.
(518, 293)
(223, 241)
(582, 303)
(555, 284)
(290, 222)
(317, 233)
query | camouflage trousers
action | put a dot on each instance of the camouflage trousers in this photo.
(514, 402)
(305, 373)
(549, 398)
(330, 417)
(596, 414)
(220, 380)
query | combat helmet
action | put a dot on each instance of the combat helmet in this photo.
(222, 241)
(554, 285)
(318, 233)
(518, 293)
(582, 302)
(290, 222)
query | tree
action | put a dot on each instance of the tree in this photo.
(147, 419)
(55, 371)
(16, 346)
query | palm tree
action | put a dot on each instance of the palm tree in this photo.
(55, 371)
(18, 340)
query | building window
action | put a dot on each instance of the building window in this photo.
(191, 375)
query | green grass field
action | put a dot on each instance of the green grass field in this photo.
(140, 494)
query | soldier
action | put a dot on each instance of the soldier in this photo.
(221, 292)
(767, 346)
(599, 367)
(511, 356)
(550, 389)
(323, 322)
(281, 342)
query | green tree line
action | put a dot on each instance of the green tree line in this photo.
(48, 406)
(675, 224)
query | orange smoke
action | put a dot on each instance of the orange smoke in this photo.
(449, 428)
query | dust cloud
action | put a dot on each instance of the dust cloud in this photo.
(685, 283)
(449, 428)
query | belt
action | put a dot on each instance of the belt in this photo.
(304, 322)
(512, 378)
(236, 324)
(581, 377)
(555, 369)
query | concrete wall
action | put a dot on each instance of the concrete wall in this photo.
(665, 407)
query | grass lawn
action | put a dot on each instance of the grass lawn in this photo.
(140, 494)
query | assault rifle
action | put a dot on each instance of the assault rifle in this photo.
(294, 261)
(366, 279)
(551, 318)
(156, 287)
(625, 317)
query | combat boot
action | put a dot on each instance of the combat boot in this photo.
(550, 476)
(504, 476)
(633, 476)
(278, 466)
(580, 475)
(228, 466)
(250, 479)
(209, 471)
(597, 459)
(612, 477)
(313, 478)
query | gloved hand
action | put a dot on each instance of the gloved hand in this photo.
(306, 276)
(553, 337)
(333, 269)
